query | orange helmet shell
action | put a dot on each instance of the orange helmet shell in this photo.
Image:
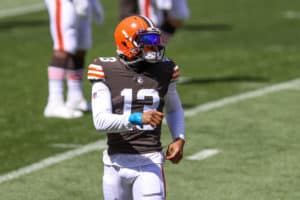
(126, 32)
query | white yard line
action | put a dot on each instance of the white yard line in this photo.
(203, 154)
(96, 146)
(291, 14)
(66, 146)
(22, 10)
(102, 143)
(241, 97)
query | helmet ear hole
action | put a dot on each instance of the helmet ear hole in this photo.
(124, 43)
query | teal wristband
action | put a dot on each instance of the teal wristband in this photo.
(136, 118)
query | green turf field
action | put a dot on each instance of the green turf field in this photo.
(227, 48)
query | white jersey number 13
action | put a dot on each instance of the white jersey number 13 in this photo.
(141, 94)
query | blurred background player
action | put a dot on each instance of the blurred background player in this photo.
(70, 25)
(168, 15)
(129, 94)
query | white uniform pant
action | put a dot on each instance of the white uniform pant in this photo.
(134, 183)
(69, 31)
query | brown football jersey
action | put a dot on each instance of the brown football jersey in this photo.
(133, 91)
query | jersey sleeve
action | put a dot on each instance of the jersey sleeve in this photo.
(174, 112)
(95, 72)
(103, 118)
(175, 74)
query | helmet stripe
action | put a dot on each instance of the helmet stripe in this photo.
(149, 22)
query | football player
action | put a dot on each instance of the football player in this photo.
(169, 15)
(131, 93)
(70, 25)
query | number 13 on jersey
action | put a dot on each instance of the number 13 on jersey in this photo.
(127, 93)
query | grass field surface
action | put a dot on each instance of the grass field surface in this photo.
(227, 49)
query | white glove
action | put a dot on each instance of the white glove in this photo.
(164, 4)
(98, 12)
(81, 7)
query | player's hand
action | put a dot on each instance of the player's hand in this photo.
(175, 151)
(98, 12)
(81, 8)
(152, 117)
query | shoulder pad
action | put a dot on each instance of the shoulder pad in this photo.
(95, 73)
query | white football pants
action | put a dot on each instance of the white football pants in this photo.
(69, 31)
(136, 183)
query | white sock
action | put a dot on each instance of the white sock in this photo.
(74, 83)
(56, 85)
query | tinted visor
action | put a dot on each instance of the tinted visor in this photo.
(149, 39)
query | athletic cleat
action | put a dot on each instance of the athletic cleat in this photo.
(61, 111)
(81, 105)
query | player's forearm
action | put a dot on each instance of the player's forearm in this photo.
(111, 122)
(103, 118)
(175, 121)
(174, 112)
